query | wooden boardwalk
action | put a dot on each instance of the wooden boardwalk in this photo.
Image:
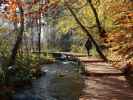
(96, 67)
(113, 85)
(100, 68)
(63, 53)
(92, 65)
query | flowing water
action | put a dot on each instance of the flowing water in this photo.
(60, 81)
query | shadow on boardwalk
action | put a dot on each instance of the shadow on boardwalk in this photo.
(111, 85)
(107, 88)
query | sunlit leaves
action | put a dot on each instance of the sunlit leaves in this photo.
(120, 39)
(3, 30)
(65, 24)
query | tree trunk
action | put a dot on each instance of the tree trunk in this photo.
(99, 26)
(18, 40)
(39, 32)
(39, 36)
(88, 34)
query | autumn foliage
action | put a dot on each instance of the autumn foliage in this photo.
(120, 40)
(11, 10)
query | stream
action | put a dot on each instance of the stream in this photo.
(60, 81)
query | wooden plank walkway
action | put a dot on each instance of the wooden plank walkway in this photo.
(63, 53)
(113, 85)
(100, 68)
(107, 88)
(97, 67)
(90, 59)
(92, 65)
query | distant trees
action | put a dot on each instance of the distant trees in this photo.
(19, 13)
(66, 41)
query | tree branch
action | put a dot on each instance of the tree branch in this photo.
(88, 34)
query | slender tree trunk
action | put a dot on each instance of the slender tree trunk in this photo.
(99, 26)
(88, 34)
(31, 44)
(39, 36)
(39, 32)
(18, 40)
(32, 37)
